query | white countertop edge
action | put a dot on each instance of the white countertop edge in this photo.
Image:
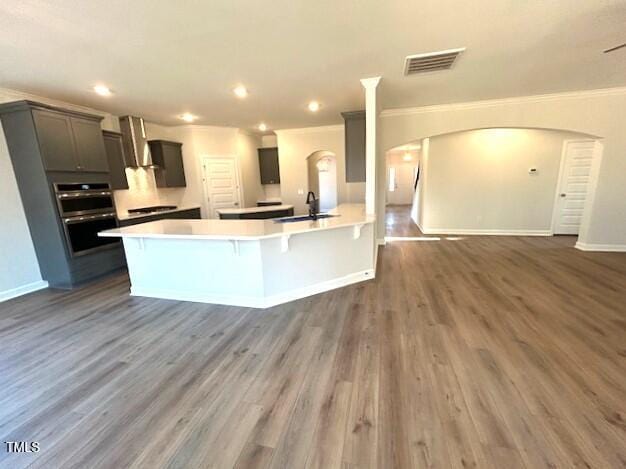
(233, 237)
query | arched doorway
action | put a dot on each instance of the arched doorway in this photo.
(322, 178)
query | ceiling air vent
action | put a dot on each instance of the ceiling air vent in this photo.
(431, 61)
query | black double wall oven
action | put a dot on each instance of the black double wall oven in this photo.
(85, 210)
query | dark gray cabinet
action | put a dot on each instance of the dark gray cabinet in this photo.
(89, 145)
(168, 158)
(268, 165)
(262, 215)
(54, 134)
(115, 157)
(183, 214)
(355, 145)
(48, 145)
(70, 143)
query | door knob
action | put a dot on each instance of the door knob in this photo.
(563, 195)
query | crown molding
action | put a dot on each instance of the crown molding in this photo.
(310, 130)
(504, 101)
(21, 95)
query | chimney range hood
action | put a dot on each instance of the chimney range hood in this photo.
(135, 142)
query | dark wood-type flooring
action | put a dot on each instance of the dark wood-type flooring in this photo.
(499, 352)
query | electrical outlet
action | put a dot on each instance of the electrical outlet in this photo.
(300, 191)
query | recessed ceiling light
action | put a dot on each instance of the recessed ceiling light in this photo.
(187, 117)
(102, 90)
(241, 91)
(262, 127)
(407, 157)
(314, 106)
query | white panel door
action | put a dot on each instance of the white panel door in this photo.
(400, 184)
(573, 186)
(221, 184)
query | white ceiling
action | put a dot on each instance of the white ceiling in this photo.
(163, 58)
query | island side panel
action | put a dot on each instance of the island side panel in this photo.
(316, 261)
(208, 271)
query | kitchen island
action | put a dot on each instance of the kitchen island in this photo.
(254, 263)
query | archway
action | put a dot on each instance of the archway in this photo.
(504, 181)
(322, 178)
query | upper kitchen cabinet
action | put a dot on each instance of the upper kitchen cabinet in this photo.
(67, 141)
(116, 158)
(89, 145)
(268, 165)
(355, 145)
(54, 133)
(168, 159)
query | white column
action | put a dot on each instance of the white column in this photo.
(371, 116)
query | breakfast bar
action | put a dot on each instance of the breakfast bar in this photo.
(253, 263)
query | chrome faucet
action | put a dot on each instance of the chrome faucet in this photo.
(311, 200)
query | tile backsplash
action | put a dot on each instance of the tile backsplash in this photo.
(142, 192)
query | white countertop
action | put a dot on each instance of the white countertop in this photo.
(132, 216)
(349, 215)
(237, 211)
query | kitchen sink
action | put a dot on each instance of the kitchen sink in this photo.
(303, 218)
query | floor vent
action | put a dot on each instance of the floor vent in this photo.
(431, 61)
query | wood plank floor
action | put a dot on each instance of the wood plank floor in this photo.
(495, 352)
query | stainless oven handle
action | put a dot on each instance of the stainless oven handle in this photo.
(83, 194)
(72, 220)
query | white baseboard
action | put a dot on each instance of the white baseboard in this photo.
(601, 247)
(480, 232)
(22, 290)
(381, 241)
(255, 302)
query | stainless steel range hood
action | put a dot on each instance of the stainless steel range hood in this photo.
(135, 142)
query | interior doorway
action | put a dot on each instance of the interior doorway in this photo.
(221, 184)
(573, 186)
(402, 168)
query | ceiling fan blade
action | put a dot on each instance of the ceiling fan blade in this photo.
(614, 48)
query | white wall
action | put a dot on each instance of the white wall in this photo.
(19, 269)
(479, 181)
(294, 146)
(417, 208)
(599, 113)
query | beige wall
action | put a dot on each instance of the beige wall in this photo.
(600, 113)
(479, 181)
(294, 146)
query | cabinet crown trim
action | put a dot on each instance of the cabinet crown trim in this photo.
(26, 105)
